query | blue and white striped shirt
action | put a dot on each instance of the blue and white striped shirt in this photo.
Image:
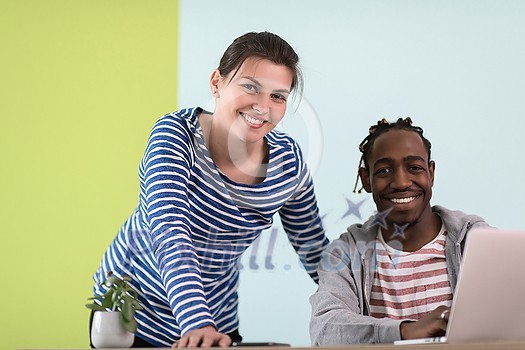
(182, 243)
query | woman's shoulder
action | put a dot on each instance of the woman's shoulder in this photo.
(280, 139)
(186, 117)
(174, 132)
(285, 151)
(181, 122)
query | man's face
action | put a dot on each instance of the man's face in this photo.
(400, 177)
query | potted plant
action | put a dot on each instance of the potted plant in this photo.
(114, 323)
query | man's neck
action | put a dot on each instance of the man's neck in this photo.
(414, 236)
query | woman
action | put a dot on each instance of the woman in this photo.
(209, 184)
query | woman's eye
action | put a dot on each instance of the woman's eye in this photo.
(250, 88)
(279, 97)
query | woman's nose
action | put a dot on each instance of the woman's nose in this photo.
(262, 104)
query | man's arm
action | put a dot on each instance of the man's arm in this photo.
(337, 316)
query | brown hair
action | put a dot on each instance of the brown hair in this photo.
(263, 45)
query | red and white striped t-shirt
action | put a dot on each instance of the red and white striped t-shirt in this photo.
(408, 285)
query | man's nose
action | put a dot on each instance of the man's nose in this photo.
(401, 179)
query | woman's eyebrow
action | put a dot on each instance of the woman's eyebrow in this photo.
(256, 82)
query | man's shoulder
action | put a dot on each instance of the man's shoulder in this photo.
(457, 222)
(357, 235)
(455, 216)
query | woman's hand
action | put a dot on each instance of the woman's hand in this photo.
(203, 337)
(431, 325)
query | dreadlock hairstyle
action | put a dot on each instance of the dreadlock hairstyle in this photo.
(380, 128)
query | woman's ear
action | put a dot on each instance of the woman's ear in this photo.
(215, 82)
(365, 179)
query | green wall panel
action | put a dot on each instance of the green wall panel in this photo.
(81, 84)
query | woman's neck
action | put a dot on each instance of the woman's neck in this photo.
(240, 161)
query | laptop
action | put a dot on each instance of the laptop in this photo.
(489, 300)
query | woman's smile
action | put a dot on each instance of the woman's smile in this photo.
(253, 122)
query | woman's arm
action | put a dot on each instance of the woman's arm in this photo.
(166, 171)
(302, 223)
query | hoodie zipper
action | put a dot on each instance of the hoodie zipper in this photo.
(458, 252)
(459, 256)
(366, 282)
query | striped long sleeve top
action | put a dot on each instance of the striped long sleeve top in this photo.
(182, 244)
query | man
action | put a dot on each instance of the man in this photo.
(392, 277)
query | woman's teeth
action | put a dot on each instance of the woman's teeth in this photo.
(252, 120)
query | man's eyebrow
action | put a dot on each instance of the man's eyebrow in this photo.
(383, 160)
(406, 159)
(414, 158)
(256, 82)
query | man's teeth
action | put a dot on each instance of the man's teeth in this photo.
(252, 120)
(402, 200)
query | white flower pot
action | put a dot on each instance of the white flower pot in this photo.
(107, 331)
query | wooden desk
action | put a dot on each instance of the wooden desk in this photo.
(480, 346)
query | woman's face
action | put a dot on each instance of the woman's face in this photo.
(253, 101)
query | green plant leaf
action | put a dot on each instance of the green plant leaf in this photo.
(131, 325)
(128, 313)
(136, 305)
(107, 301)
(116, 295)
(95, 307)
(111, 280)
(120, 296)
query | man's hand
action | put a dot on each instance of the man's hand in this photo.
(433, 324)
(205, 337)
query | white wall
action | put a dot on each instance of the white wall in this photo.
(456, 67)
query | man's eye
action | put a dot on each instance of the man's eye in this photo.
(416, 168)
(382, 171)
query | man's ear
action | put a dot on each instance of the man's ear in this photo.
(215, 82)
(365, 179)
(431, 170)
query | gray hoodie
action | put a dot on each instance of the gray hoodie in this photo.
(340, 307)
